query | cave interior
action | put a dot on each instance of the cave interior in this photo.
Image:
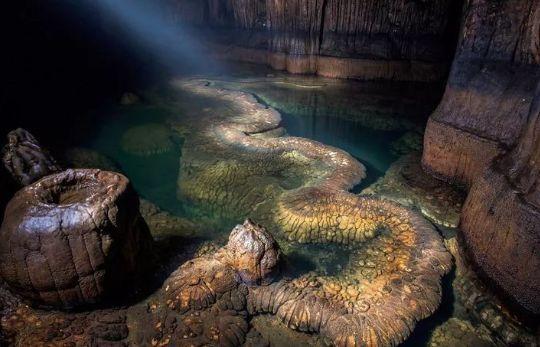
(270, 173)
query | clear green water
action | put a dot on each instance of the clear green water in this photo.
(371, 147)
(155, 176)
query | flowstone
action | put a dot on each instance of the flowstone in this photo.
(406, 182)
(299, 188)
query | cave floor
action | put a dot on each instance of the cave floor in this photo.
(380, 124)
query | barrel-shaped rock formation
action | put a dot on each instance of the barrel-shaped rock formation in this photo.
(73, 238)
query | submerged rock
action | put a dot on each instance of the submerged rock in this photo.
(85, 158)
(25, 159)
(73, 238)
(147, 139)
(478, 301)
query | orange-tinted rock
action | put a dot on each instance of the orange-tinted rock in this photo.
(253, 252)
(501, 218)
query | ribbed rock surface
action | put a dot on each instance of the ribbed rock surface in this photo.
(501, 218)
(485, 134)
(402, 40)
(73, 238)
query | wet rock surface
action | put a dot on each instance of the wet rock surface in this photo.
(72, 238)
(407, 183)
(480, 310)
(85, 158)
(25, 159)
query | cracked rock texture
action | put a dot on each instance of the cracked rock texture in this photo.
(401, 40)
(73, 238)
(485, 135)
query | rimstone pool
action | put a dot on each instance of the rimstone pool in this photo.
(332, 169)
(379, 124)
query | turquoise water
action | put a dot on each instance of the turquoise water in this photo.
(370, 147)
(155, 176)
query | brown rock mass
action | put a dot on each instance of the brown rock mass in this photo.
(25, 159)
(485, 135)
(401, 40)
(72, 238)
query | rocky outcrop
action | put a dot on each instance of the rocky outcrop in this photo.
(207, 295)
(25, 159)
(73, 238)
(407, 184)
(501, 218)
(401, 40)
(485, 135)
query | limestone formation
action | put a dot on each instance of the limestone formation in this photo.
(208, 294)
(73, 238)
(484, 135)
(85, 158)
(299, 188)
(25, 159)
(379, 106)
(251, 256)
(399, 40)
(481, 304)
(406, 183)
(24, 326)
(147, 139)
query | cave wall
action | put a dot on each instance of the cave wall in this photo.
(485, 135)
(401, 40)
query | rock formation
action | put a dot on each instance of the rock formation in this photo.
(400, 40)
(73, 238)
(298, 187)
(251, 256)
(484, 134)
(388, 106)
(406, 183)
(25, 159)
(147, 139)
(207, 296)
